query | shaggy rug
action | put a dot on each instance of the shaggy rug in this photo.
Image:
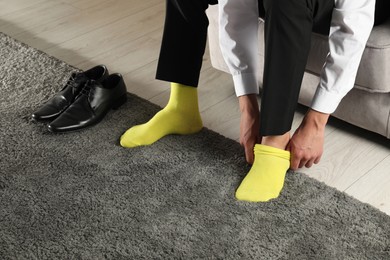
(82, 196)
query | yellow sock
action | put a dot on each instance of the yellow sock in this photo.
(180, 116)
(265, 179)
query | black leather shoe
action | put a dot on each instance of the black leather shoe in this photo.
(92, 104)
(63, 99)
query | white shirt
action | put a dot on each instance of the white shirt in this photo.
(351, 25)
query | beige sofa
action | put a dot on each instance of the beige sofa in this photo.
(367, 105)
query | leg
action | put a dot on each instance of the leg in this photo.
(288, 28)
(180, 61)
(184, 41)
(382, 8)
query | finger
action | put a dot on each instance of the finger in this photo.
(294, 163)
(249, 155)
(317, 160)
(288, 147)
(302, 163)
(309, 163)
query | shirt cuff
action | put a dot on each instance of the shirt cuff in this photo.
(245, 84)
(325, 101)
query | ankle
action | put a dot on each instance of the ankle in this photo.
(277, 141)
(183, 99)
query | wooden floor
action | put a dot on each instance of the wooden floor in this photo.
(126, 34)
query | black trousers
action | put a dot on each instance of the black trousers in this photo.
(184, 41)
(288, 28)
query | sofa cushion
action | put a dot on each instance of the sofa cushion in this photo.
(374, 70)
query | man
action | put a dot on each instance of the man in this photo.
(288, 28)
(289, 24)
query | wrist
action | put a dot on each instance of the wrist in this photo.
(316, 118)
(248, 103)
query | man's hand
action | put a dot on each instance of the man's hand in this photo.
(249, 124)
(307, 143)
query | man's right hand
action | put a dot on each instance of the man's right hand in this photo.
(249, 124)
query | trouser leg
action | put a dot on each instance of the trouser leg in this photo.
(288, 28)
(184, 41)
(382, 8)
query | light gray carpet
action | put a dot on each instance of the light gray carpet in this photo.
(81, 196)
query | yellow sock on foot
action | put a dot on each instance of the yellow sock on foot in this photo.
(180, 116)
(265, 179)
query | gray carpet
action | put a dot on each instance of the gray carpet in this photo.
(81, 196)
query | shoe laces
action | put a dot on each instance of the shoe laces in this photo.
(75, 80)
(87, 87)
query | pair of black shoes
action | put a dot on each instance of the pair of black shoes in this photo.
(83, 101)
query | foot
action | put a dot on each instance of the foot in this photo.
(180, 116)
(265, 179)
(165, 122)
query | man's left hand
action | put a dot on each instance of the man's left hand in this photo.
(306, 145)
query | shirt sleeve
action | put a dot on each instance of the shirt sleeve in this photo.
(352, 22)
(238, 36)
